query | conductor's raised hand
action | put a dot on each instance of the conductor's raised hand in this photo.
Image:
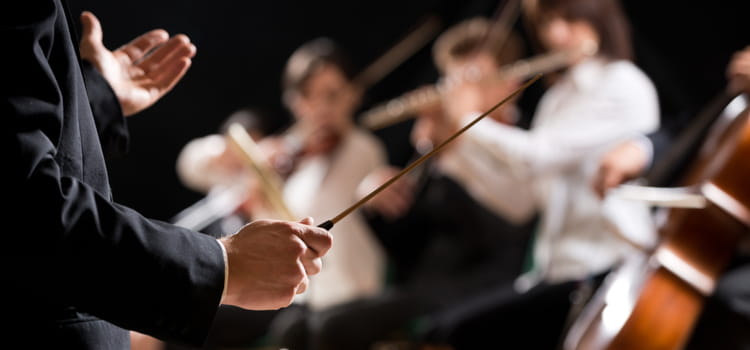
(269, 262)
(141, 71)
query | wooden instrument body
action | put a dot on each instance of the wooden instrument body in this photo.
(653, 301)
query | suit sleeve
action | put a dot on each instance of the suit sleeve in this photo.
(66, 243)
(110, 122)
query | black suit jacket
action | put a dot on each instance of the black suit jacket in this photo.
(77, 267)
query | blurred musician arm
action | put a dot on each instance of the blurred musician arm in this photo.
(206, 162)
(625, 162)
(635, 158)
(394, 201)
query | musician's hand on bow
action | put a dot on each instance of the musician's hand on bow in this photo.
(623, 163)
(393, 201)
(141, 71)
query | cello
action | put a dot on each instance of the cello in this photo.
(652, 301)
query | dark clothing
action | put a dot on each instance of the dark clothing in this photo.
(74, 258)
(238, 328)
(505, 318)
(447, 236)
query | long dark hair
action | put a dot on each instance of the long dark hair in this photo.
(606, 16)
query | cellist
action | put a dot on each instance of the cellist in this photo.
(726, 316)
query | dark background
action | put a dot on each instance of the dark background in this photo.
(242, 47)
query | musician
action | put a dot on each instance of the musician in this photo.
(726, 316)
(321, 163)
(319, 90)
(598, 100)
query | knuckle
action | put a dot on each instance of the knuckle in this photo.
(295, 275)
(297, 247)
(286, 227)
(299, 274)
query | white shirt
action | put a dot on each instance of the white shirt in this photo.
(593, 106)
(321, 187)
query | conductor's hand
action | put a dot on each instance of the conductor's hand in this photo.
(138, 75)
(269, 262)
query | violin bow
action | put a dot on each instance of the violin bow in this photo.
(398, 53)
(502, 25)
(271, 183)
(328, 224)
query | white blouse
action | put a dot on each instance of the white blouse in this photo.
(591, 108)
(321, 187)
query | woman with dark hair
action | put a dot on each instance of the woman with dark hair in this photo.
(605, 18)
(322, 157)
(330, 156)
(599, 98)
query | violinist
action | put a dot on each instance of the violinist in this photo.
(319, 91)
(598, 100)
(321, 158)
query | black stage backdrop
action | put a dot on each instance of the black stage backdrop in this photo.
(242, 47)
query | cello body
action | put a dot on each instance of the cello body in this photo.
(653, 300)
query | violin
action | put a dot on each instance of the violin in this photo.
(298, 143)
(653, 300)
